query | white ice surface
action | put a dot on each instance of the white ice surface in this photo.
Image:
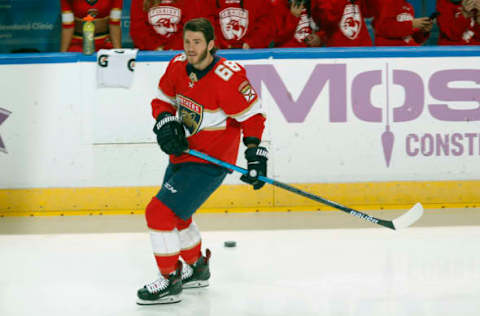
(342, 272)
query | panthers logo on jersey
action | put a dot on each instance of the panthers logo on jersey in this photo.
(165, 20)
(351, 22)
(191, 113)
(234, 23)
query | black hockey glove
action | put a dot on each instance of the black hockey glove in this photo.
(170, 134)
(257, 166)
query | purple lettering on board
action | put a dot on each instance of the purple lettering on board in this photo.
(457, 142)
(470, 137)
(442, 144)
(297, 111)
(439, 89)
(361, 88)
(427, 143)
(414, 96)
(3, 116)
(410, 138)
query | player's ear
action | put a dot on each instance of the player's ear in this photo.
(210, 45)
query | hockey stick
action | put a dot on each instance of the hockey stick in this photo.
(400, 222)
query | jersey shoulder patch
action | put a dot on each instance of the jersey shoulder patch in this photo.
(248, 92)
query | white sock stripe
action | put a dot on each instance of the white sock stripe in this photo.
(190, 236)
(165, 242)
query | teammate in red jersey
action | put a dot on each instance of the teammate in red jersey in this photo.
(459, 22)
(158, 24)
(107, 14)
(294, 26)
(396, 25)
(343, 21)
(204, 102)
(242, 23)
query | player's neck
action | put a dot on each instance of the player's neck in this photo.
(204, 63)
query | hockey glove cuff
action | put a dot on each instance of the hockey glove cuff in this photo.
(170, 134)
(257, 158)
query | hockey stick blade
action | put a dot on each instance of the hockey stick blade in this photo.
(409, 217)
(403, 221)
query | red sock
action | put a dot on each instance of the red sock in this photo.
(166, 264)
(193, 254)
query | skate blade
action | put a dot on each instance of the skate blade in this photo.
(195, 284)
(163, 300)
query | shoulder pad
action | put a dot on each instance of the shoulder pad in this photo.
(180, 57)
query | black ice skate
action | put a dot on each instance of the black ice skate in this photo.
(196, 275)
(163, 290)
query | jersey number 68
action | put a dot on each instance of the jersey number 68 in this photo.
(226, 70)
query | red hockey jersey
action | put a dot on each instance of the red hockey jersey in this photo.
(291, 31)
(455, 29)
(160, 23)
(242, 21)
(393, 27)
(78, 9)
(343, 22)
(214, 110)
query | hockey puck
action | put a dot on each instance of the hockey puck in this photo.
(230, 244)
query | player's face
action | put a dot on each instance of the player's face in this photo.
(197, 49)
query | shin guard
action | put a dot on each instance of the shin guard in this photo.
(164, 235)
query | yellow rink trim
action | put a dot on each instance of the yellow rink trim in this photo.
(241, 198)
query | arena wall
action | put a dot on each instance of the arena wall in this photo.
(371, 128)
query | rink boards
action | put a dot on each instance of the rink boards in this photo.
(370, 128)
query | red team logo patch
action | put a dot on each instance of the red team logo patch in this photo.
(191, 113)
(351, 22)
(234, 23)
(165, 20)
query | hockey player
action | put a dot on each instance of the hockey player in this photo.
(242, 23)
(204, 102)
(107, 16)
(293, 24)
(396, 25)
(459, 22)
(343, 21)
(158, 24)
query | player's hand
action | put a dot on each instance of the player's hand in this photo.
(146, 5)
(296, 8)
(170, 134)
(313, 40)
(422, 23)
(257, 166)
(467, 8)
(245, 46)
(468, 5)
(428, 27)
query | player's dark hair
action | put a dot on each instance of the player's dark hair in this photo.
(201, 25)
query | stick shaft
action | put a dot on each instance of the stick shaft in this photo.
(364, 216)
